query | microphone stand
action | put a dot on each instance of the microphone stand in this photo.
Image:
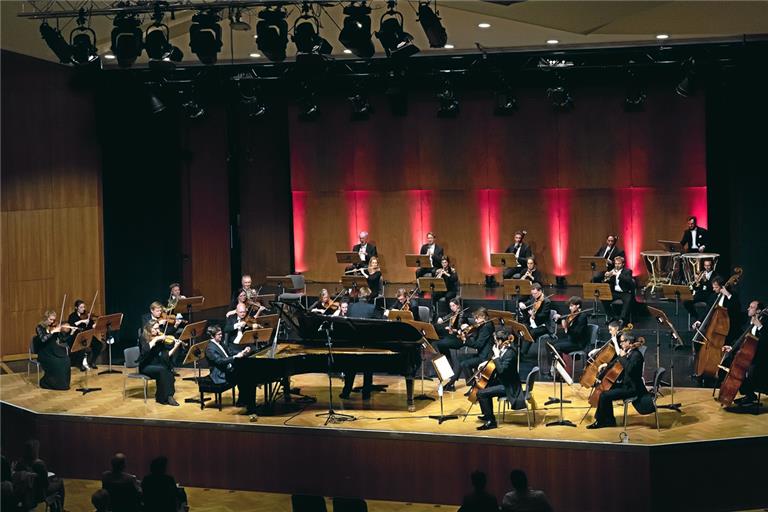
(331, 416)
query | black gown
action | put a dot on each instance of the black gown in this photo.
(156, 363)
(53, 355)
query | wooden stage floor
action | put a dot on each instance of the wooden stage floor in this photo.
(701, 419)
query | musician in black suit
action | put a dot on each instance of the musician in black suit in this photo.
(532, 273)
(505, 382)
(481, 339)
(236, 325)
(435, 253)
(757, 374)
(576, 330)
(356, 310)
(522, 252)
(245, 285)
(622, 287)
(728, 299)
(702, 289)
(221, 358)
(695, 238)
(630, 382)
(536, 312)
(364, 250)
(607, 251)
(401, 299)
(157, 351)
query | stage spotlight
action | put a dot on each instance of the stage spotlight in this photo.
(361, 107)
(306, 35)
(356, 32)
(505, 103)
(634, 100)
(155, 104)
(236, 22)
(205, 36)
(56, 42)
(127, 39)
(687, 86)
(430, 22)
(157, 43)
(272, 32)
(560, 97)
(308, 109)
(449, 105)
(396, 42)
(82, 41)
(251, 98)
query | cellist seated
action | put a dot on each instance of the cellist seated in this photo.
(628, 384)
(505, 381)
(756, 377)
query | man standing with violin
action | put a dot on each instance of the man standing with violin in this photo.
(505, 381)
(757, 375)
(629, 382)
(478, 336)
(536, 312)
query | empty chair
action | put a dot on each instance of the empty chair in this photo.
(295, 290)
(131, 355)
(307, 503)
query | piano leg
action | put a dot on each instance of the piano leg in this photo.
(409, 393)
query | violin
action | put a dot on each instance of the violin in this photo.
(470, 329)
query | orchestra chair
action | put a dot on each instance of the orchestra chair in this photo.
(131, 355)
(307, 503)
(206, 385)
(654, 394)
(581, 355)
(551, 336)
(503, 403)
(424, 313)
(382, 296)
(296, 292)
(32, 360)
(349, 505)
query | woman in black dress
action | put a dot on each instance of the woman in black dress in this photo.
(52, 352)
(157, 350)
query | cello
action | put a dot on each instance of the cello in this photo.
(742, 360)
(611, 375)
(712, 338)
(483, 376)
(605, 355)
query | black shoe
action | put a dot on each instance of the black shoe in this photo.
(344, 396)
(488, 425)
(94, 367)
(449, 387)
(746, 400)
(172, 401)
(469, 391)
(595, 425)
(483, 418)
(82, 368)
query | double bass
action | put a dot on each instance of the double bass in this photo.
(742, 360)
(712, 333)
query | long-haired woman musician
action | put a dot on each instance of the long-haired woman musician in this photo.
(52, 352)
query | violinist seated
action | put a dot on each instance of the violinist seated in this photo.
(575, 328)
(607, 251)
(50, 344)
(158, 315)
(622, 288)
(83, 320)
(532, 273)
(613, 329)
(478, 336)
(629, 383)
(757, 376)
(536, 313)
(235, 326)
(255, 307)
(324, 305)
(505, 381)
(157, 351)
(221, 357)
(702, 290)
(727, 299)
(522, 252)
(402, 303)
(450, 327)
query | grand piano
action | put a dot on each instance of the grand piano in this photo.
(359, 345)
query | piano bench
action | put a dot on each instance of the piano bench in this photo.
(206, 385)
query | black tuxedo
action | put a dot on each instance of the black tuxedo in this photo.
(757, 375)
(452, 289)
(702, 239)
(599, 274)
(577, 336)
(482, 341)
(230, 333)
(537, 277)
(541, 317)
(630, 384)
(370, 251)
(702, 293)
(220, 359)
(434, 262)
(627, 285)
(522, 259)
(506, 382)
(413, 306)
(735, 315)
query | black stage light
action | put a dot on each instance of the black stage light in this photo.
(157, 42)
(155, 103)
(272, 32)
(56, 42)
(82, 40)
(505, 103)
(205, 36)
(251, 98)
(356, 32)
(430, 22)
(560, 97)
(687, 86)
(634, 100)
(306, 35)
(396, 42)
(449, 105)
(308, 109)
(361, 107)
(127, 42)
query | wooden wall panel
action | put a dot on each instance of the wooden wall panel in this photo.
(51, 197)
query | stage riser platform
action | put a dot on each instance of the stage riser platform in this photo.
(430, 468)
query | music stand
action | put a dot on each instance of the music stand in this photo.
(518, 288)
(671, 245)
(662, 319)
(503, 316)
(188, 303)
(678, 292)
(433, 284)
(418, 261)
(195, 353)
(83, 342)
(522, 334)
(591, 264)
(190, 332)
(428, 333)
(255, 336)
(348, 257)
(331, 416)
(500, 259)
(268, 321)
(398, 315)
(106, 325)
(265, 300)
(559, 366)
(279, 282)
(353, 282)
(597, 290)
(441, 365)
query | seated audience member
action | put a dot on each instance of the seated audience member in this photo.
(522, 498)
(479, 500)
(159, 489)
(100, 500)
(123, 488)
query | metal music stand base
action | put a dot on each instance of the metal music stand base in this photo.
(85, 389)
(443, 417)
(109, 367)
(332, 416)
(561, 422)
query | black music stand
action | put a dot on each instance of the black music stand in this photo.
(591, 263)
(353, 282)
(331, 416)
(662, 319)
(187, 304)
(348, 257)
(597, 290)
(106, 325)
(518, 288)
(500, 259)
(678, 292)
(428, 332)
(83, 342)
(521, 333)
(190, 332)
(397, 315)
(418, 261)
(268, 321)
(279, 282)
(441, 365)
(195, 353)
(559, 366)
